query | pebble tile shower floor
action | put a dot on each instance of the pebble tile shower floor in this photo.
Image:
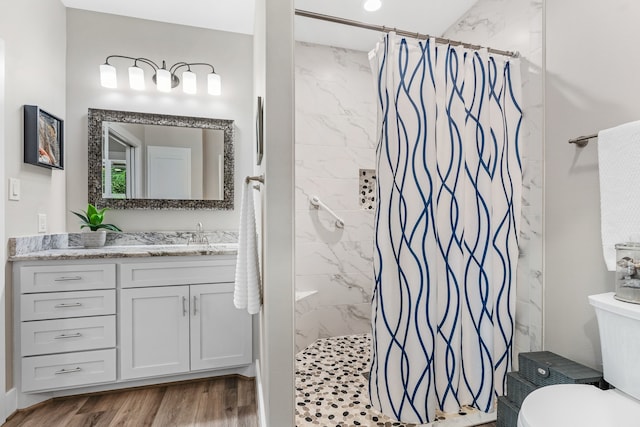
(331, 389)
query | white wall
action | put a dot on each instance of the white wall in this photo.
(35, 39)
(335, 137)
(592, 83)
(274, 78)
(517, 25)
(212, 152)
(91, 37)
(264, 326)
(3, 301)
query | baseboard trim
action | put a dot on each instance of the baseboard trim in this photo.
(262, 413)
(10, 402)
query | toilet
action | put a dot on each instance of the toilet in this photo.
(568, 405)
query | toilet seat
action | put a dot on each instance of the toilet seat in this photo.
(581, 405)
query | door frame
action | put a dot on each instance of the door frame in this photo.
(3, 350)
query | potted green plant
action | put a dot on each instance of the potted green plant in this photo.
(93, 219)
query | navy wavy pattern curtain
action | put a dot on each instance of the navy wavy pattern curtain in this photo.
(446, 228)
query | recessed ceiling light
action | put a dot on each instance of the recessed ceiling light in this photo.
(372, 5)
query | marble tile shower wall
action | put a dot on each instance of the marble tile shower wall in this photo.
(335, 126)
(335, 122)
(516, 25)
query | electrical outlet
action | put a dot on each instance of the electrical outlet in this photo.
(42, 223)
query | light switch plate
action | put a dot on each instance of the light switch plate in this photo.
(14, 189)
(42, 223)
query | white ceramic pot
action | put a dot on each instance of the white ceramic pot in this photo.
(94, 239)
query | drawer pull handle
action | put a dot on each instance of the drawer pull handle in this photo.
(63, 336)
(68, 304)
(195, 305)
(184, 306)
(67, 278)
(68, 371)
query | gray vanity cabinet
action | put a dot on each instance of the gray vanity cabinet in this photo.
(66, 325)
(179, 317)
(103, 324)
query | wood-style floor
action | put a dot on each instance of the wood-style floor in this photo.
(216, 402)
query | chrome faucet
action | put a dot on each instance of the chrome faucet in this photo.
(198, 236)
(199, 232)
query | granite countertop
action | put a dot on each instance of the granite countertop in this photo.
(131, 245)
(130, 251)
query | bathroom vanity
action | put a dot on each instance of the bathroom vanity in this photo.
(97, 319)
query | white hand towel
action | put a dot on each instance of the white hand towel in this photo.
(247, 288)
(619, 163)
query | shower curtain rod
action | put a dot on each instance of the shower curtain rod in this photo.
(382, 28)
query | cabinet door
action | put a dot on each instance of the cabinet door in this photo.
(154, 331)
(220, 333)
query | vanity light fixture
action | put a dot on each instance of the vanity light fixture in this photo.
(372, 5)
(164, 78)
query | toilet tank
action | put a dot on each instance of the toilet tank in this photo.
(619, 325)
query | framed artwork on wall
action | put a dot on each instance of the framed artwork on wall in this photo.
(43, 138)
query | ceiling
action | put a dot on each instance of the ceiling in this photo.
(428, 17)
(225, 15)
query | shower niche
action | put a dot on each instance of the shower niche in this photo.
(367, 194)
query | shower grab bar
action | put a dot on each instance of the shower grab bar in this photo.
(316, 203)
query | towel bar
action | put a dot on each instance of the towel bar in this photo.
(582, 141)
(259, 178)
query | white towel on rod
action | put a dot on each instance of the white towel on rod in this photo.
(619, 163)
(246, 293)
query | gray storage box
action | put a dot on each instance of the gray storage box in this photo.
(507, 413)
(518, 388)
(546, 368)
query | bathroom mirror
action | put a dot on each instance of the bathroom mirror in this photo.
(155, 161)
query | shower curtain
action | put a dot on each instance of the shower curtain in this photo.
(446, 228)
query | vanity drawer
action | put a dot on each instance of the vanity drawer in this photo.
(66, 335)
(55, 278)
(57, 305)
(137, 275)
(68, 370)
